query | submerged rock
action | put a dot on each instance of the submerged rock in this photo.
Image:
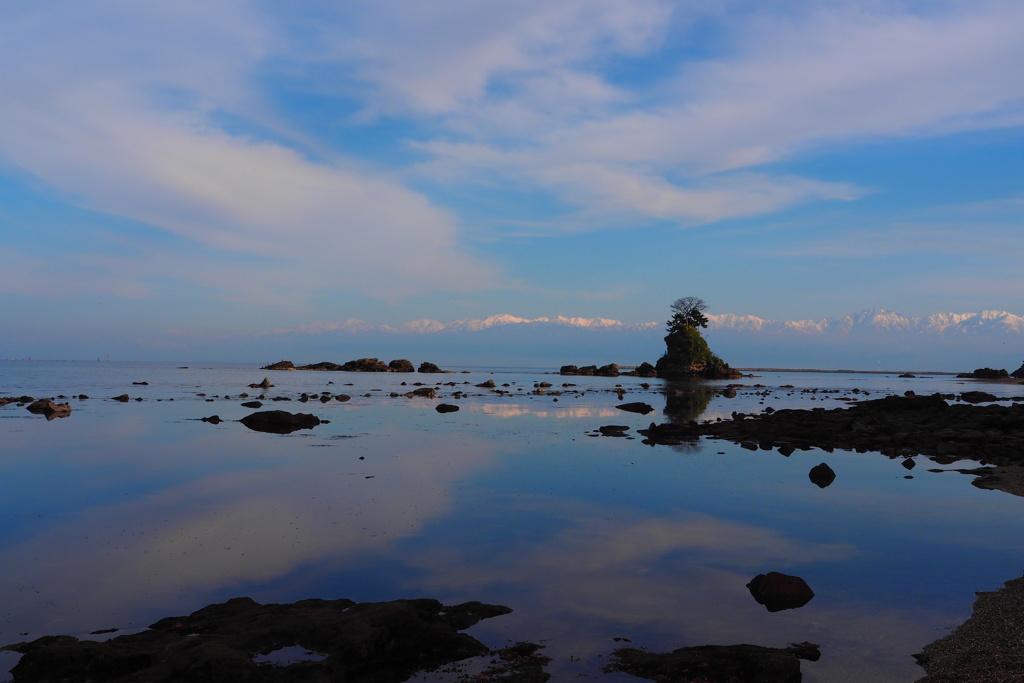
(638, 407)
(279, 421)
(363, 642)
(716, 663)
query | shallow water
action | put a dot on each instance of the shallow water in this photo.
(123, 513)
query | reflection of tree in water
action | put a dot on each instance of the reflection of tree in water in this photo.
(686, 402)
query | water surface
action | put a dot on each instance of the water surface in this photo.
(123, 513)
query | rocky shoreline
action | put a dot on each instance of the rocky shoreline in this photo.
(896, 426)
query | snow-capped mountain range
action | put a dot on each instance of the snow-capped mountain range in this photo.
(874, 321)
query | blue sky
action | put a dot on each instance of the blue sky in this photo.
(235, 167)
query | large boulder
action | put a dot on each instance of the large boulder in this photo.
(401, 365)
(645, 369)
(429, 368)
(279, 421)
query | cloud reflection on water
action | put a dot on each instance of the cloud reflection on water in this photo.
(169, 550)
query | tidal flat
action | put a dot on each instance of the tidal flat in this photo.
(124, 513)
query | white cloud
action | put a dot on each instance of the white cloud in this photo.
(132, 127)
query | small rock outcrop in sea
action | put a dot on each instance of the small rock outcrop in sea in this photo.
(381, 641)
(716, 663)
(401, 365)
(610, 370)
(985, 373)
(4, 400)
(49, 409)
(279, 365)
(686, 353)
(777, 591)
(279, 421)
(446, 408)
(429, 368)
(1018, 373)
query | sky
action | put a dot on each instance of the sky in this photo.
(178, 169)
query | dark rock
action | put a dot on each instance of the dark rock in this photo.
(489, 384)
(364, 642)
(716, 663)
(365, 365)
(123, 398)
(279, 421)
(323, 366)
(429, 368)
(401, 365)
(822, 475)
(610, 370)
(645, 369)
(985, 373)
(687, 356)
(280, 365)
(4, 400)
(568, 370)
(779, 592)
(977, 397)
(252, 404)
(145, 384)
(213, 419)
(422, 392)
(51, 410)
(341, 398)
(638, 407)
(907, 375)
(1018, 373)
(446, 408)
(613, 430)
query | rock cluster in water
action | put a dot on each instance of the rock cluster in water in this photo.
(358, 365)
(359, 642)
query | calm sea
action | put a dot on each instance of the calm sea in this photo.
(123, 513)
